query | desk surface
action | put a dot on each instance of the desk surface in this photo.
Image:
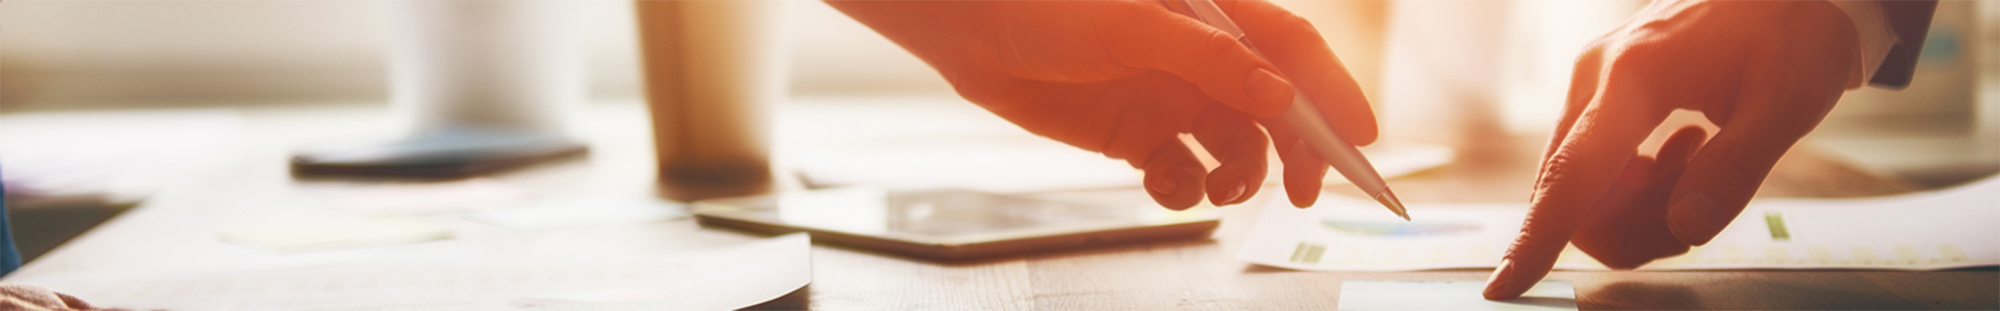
(1199, 274)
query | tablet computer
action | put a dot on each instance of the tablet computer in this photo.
(952, 224)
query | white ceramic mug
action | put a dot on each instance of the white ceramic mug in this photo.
(500, 64)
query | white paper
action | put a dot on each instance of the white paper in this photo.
(713, 279)
(111, 157)
(582, 211)
(295, 238)
(1944, 229)
(376, 199)
(1450, 295)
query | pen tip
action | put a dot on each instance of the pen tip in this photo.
(1388, 199)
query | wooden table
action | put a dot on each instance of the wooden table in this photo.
(1200, 274)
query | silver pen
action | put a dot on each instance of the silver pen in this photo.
(1306, 119)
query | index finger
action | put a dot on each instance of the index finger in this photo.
(1582, 168)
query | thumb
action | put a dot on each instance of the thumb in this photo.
(1725, 174)
(1786, 89)
(1720, 180)
(1213, 60)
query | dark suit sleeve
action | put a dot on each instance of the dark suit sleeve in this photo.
(9, 258)
(1911, 20)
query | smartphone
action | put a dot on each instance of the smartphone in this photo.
(449, 152)
(951, 224)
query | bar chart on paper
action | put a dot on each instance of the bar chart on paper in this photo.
(1944, 229)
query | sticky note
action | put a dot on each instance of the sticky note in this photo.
(334, 235)
(1450, 295)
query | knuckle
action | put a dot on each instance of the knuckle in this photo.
(1294, 24)
(1228, 131)
(1592, 52)
(1634, 56)
(1215, 45)
(1556, 167)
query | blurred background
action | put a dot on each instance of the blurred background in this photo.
(103, 103)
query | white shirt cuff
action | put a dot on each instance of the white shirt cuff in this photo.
(1876, 37)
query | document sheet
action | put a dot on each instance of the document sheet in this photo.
(1950, 228)
(712, 279)
(296, 238)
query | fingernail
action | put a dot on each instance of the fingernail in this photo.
(1242, 191)
(1269, 90)
(1161, 183)
(1696, 219)
(1497, 284)
(1230, 195)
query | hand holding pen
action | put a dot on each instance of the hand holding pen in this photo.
(1305, 118)
(1126, 78)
